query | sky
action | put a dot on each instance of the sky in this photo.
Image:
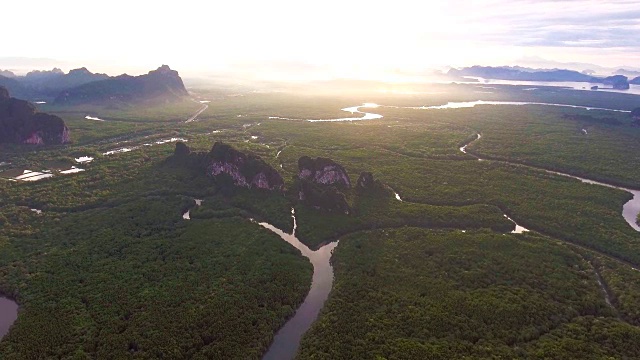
(343, 38)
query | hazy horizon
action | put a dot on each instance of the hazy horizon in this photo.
(289, 40)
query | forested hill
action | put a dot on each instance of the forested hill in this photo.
(21, 123)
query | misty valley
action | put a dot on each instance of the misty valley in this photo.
(148, 217)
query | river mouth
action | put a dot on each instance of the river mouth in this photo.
(472, 104)
(287, 340)
(8, 315)
(570, 85)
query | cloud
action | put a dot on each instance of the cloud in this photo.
(351, 34)
(577, 23)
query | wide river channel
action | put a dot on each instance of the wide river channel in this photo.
(285, 343)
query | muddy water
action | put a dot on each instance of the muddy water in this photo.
(287, 340)
(8, 314)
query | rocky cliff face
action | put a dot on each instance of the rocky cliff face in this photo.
(20, 123)
(242, 170)
(322, 171)
(319, 182)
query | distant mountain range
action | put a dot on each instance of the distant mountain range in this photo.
(55, 80)
(81, 86)
(160, 84)
(620, 82)
(7, 73)
(536, 62)
(628, 73)
(46, 84)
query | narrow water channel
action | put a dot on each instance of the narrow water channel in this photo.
(518, 230)
(287, 340)
(8, 315)
(630, 209)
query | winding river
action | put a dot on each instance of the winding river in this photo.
(355, 110)
(630, 209)
(287, 340)
(449, 105)
(352, 110)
